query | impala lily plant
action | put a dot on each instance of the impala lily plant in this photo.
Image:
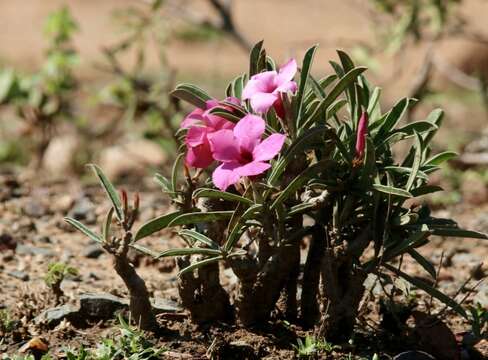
(283, 148)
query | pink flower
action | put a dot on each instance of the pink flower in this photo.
(201, 124)
(361, 135)
(264, 89)
(242, 152)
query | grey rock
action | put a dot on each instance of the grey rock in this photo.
(32, 250)
(482, 295)
(19, 275)
(83, 210)
(160, 305)
(101, 305)
(414, 355)
(34, 209)
(54, 316)
(93, 251)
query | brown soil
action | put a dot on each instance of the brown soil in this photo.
(32, 212)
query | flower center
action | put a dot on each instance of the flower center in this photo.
(246, 156)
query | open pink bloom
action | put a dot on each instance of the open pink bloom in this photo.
(242, 152)
(264, 89)
(200, 124)
(361, 135)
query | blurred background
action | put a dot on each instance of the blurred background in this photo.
(85, 80)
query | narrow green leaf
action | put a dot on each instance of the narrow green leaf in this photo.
(200, 264)
(426, 264)
(430, 290)
(425, 189)
(188, 251)
(145, 250)
(302, 178)
(392, 190)
(461, 233)
(174, 171)
(418, 126)
(239, 227)
(343, 83)
(254, 58)
(305, 71)
(79, 226)
(106, 225)
(110, 191)
(440, 158)
(191, 94)
(416, 162)
(195, 235)
(200, 217)
(155, 225)
(392, 119)
(216, 194)
(163, 182)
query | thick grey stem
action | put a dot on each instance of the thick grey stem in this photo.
(310, 310)
(140, 306)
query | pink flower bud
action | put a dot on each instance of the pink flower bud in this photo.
(361, 135)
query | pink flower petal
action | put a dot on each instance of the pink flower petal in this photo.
(225, 175)
(192, 118)
(224, 146)
(248, 132)
(269, 148)
(361, 134)
(196, 135)
(260, 83)
(253, 168)
(199, 156)
(287, 71)
(289, 86)
(263, 101)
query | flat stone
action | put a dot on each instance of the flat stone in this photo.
(54, 316)
(93, 251)
(160, 305)
(83, 210)
(413, 355)
(34, 209)
(19, 275)
(32, 250)
(101, 305)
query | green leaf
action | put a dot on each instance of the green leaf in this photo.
(199, 237)
(374, 101)
(301, 179)
(254, 58)
(239, 228)
(392, 190)
(418, 126)
(226, 114)
(426, 264)
(110, 191)
(164, 183)
(429, 289)
(145, 250)
(440, 158)
(392, 119)
(302, 143)
(223, 195)
(200, 217)
(416, 162)
(79, 226)
(199, 264)
(155, 225)
(343, 83)
(106, 225)
(188, 251)
(457, 232)
(305, 71)
(174, 171)
(191, 94)
(425, 189)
